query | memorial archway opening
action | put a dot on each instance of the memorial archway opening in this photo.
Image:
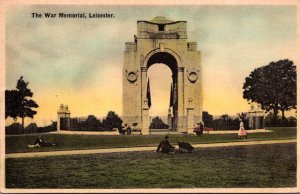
(162, 75)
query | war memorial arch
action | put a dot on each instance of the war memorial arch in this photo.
(163, 41)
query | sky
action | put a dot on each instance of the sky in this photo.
(78, 62)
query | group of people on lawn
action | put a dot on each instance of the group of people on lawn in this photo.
(164, 146)
(242, 133)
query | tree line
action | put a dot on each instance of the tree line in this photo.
(273, 86)
(111, 121)
(226, 122)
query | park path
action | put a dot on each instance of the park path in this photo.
(137, 149)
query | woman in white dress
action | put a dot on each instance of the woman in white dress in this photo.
(242, 132)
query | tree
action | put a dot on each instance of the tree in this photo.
(207, 119)
(273, 86)
(93, 123)
(31, 128)
(292, 121)
(112, 120)
(225, 118)
(157, 123)
(14, 128)
(12, 104)
(18, 102)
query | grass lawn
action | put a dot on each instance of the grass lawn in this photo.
(256, 166)
(16, 144)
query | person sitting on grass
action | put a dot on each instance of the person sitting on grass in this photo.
(165, 146)
(199, 129)
(122, 130)
(128, 130)
(39, 142)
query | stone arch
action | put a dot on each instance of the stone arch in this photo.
(166, 50)
(168, 45)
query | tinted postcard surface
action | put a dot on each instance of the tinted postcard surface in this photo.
(159, 97)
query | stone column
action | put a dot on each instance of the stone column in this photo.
(190, 121)
(145, 108)
(60, 114)
(257, 122)
(145, 118)
(144, 83)
(68, 118)
(180, 115)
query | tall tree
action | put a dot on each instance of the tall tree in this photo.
(112, 120)
(157, 123)
(225, 118)
(93, 124)
(273, 86)
(207, 119)
(19, 102)
(12, 104)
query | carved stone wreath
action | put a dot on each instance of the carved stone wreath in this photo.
(193, 77)
(131, 77)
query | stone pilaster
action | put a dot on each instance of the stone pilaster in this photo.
(60, 114)
(180, 85)
(145, 108)
(190, 121)
(144, 82)
(145, 120)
